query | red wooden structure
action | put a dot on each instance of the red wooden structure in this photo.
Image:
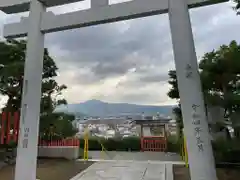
(9, 129)
(153, 135)
(153, 144)
(9, 126)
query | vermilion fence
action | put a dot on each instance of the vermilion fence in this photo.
(153, 144)
(64, 142)
(9, 128)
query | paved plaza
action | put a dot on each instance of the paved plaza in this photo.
(113, 165)
(126, 170)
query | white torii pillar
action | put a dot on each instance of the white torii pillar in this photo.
(40, 22)
(200, 154)
(31, 97)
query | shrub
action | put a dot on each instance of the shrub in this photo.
(113, 144)
(125, 144)
(226, 151)
(174, 144)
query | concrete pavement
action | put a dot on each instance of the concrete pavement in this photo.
(117, 165)
(126, 170)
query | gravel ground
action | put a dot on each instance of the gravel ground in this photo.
(50, 170)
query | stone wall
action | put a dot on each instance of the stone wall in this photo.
(68, 152)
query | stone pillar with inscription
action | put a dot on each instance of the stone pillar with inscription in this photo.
(30, 111)
(201, 161)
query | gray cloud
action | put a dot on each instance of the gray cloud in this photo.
(91, 55)
(154, 78)
(214, 27)
(143, 97)
(140, 98)
(109, 51)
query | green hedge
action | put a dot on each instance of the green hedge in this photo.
(126, 144)
(224, 150)
(174, 144)
(10, 145)
(227, 150)
(131, 143)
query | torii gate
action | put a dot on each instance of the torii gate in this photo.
(201, 161)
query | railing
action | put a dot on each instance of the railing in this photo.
(64, 142)
(9, 128)
(9, 123)
(153, 144)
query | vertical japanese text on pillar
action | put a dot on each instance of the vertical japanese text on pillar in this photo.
(197, 127)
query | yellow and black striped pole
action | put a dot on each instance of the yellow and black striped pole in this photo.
(85, 152)
(184, 152)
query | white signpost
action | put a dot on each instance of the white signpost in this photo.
(40, 22)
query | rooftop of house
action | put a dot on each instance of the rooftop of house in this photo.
(158, 121)
(106, 121)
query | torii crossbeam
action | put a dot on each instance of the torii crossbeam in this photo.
(39, 22)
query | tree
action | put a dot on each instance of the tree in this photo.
(179, 120)
(220, 77)
(12, 58)
(174, 94)
(56, 126)
(220, 74)
(237, 6)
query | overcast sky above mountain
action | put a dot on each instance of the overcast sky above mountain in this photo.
(129, 61)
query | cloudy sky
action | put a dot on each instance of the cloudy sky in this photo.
(129, 61)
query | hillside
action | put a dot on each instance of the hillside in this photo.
(99, 108)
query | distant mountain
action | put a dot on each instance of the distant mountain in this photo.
(99, 108)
